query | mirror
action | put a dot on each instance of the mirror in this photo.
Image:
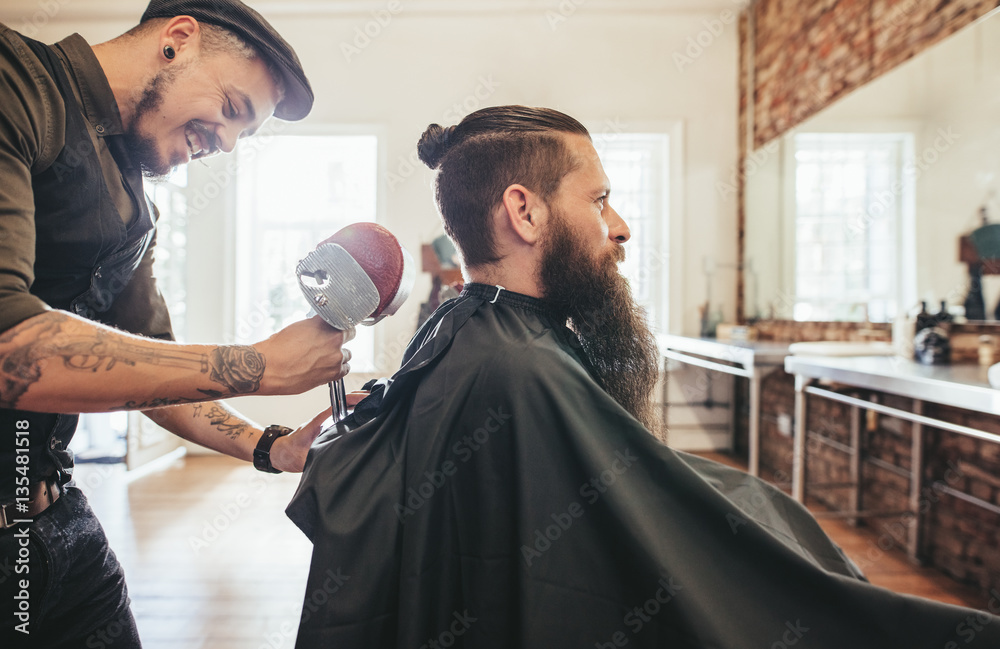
(857, 214)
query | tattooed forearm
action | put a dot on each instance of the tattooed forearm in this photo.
(25, 348)
(151, 404)
(237, 367)
(226, 422)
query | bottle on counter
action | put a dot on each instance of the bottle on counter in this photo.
(932, 343)
(975, 304)
(924, 318)
(933, 346)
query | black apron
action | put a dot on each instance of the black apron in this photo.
(85, 255)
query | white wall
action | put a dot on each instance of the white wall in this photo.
(609, 63)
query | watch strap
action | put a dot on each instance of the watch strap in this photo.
(262, 453)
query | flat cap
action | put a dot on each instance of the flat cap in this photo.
(251, 27)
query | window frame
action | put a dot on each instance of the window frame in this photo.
(236, 233)
(906, 269)
(669, 312)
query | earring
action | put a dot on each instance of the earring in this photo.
(169, 52)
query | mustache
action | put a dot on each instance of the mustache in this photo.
(618, 253)
(207, 135)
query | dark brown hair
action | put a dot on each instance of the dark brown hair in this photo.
(484, 154)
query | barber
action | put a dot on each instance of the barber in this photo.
(83, 327)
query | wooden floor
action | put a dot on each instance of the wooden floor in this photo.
(890, 569)
(212, 561)
(210, 557)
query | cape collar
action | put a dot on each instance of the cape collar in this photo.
(500, 295)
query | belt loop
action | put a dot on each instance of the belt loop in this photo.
(497, 296)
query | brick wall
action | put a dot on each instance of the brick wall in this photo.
(809, 53)
(805, 54)
(794, 331)
(961, 539)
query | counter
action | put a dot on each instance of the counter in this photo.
(961, 386)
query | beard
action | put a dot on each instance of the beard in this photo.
(142, 147)
(597, 302)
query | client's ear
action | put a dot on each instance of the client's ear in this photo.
(525, 212)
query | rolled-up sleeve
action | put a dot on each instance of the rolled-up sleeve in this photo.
(32, 125)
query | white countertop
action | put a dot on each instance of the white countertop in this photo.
(961, 385)
(736, 351)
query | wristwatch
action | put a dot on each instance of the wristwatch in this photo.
(262, 454)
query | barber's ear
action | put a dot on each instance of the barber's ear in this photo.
(181, 33)
(525, 212)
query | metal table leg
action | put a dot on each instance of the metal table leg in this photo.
(754, 422)
(914, 540)
(856, 460)
(733, 426)
(799, 442)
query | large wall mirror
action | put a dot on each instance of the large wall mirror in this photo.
(858, 213)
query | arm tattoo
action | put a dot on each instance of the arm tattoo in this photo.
(237, 368)
(152, 404)
(226, 422)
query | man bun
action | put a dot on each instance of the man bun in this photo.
(433, 144)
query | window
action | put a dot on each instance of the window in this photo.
(849, 200)
(292, 193)
(170, 261)
(638, 166)
(100, 437)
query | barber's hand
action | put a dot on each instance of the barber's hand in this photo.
(356, 397)
(288, 453)
(303, 355)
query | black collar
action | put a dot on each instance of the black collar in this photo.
(499, 295)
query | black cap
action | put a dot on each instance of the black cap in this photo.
(258, 33)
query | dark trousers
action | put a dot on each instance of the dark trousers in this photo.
(60, 581)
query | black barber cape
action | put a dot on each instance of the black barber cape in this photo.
(499, 498)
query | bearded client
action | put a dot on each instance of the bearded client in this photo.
(504, 489)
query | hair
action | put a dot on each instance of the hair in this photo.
(216, 40)
(484, 154)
